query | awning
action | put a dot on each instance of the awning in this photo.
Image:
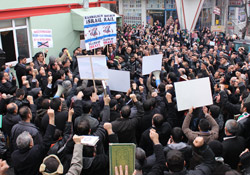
(78, 14)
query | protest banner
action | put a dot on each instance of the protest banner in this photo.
(115, 79)
(193, 93)
(93, 62)
(42, 38)
(121, 154)
(109, 29)
(151, 63)
(99, 30)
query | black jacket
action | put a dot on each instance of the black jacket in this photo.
(60, 120)
(9, 120)
(184, 148)
(164, 133)
(125, 128)
(232, 148)
(205, 168)
(28, 161)
(20, 71)
(159, 166)
(98, 165)
(25, 126)
(8, 87)
(57, 147)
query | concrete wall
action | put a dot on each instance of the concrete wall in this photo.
(62, 31)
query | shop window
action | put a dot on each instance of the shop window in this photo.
(132, 11)
(14, 39)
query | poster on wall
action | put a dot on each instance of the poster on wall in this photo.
(99, 30)
(42, 38)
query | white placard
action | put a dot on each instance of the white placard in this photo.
(119, 80)
(99, 67)
(193, 93)
(151, 63)
(42, 38)
(212, 43)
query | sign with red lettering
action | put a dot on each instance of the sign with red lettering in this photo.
(42, 38)
(235, 3)
(216, 11)
(99, 30)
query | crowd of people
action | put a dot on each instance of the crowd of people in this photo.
(42, 124)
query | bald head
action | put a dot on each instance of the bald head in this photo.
(12, 108)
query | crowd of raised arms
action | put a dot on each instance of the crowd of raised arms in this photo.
(42, 130)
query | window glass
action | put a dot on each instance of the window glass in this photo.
(20, 22)
(10, 34)
(5, 24)
(22, 42)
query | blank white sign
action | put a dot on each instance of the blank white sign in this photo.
(99, 67)
(193, 93)
(118, 80)
(151, 63)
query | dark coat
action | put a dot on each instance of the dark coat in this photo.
(125, 128)
(114, 115)
(25, 126)
(60, 120)
(221, 168)
(164, 133)
(8, 87)
(184, 148)
(9, 120)
(232, 148)
(20, 71)
(28, 161)
(98, 165)
(205, 168)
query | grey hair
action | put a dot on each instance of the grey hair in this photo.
(140, 154)
(232, 126)
(23, 140)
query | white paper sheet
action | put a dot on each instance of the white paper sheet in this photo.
(193, 93)
(151, 63)
(99, 67)
(118, 80)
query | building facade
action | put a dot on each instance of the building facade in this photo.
(148, 11)
(19, 18)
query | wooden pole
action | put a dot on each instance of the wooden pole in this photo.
(92, 71)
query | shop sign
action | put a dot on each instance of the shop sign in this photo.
(216, 11)
(217, 28)
(235, 3)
